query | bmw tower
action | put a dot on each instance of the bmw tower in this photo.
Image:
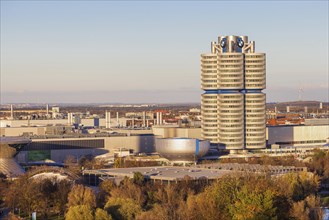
(233, 76)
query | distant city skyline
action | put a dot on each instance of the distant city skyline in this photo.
(149, 52)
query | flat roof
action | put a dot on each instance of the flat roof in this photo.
(14, 140)
(162, 173)
(202, 171)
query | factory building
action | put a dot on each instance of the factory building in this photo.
(233, 105)
(58, 148)
(302, 135)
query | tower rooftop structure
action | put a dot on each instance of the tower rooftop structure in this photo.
(233, 105)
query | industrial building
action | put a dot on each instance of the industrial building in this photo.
(233, 105)
(59, 148)
(302, 135)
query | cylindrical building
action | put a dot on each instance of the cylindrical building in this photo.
(209, 123)
(255, 123)
(231, 117)
(181, 149)
(233, 105)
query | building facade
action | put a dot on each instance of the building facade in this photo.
(233, 76)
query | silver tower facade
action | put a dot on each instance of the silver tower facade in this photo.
(233, 76)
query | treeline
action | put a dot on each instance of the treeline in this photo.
(319, 164)
(266, 160)
(124, 163)
(237, 196)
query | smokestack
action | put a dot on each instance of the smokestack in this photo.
(160, 118)
(321, 105)
(144, 118)
(305, 109)
(11, 112)
(108, 119)
(47, 109)
(288, 109)
(275, 109)
(118, 124)
(70, 118)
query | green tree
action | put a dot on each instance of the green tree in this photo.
(81, 212)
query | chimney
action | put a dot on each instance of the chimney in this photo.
(11, 112)
(160, 117)
(108, 119)
(144, 119)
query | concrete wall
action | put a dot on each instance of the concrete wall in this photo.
(298, 134)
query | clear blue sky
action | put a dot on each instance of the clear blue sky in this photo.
(111, 51)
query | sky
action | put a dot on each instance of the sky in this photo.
(149, 51)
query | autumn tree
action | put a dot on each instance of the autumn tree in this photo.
(81, 195)
(123, 208)
(105, 188)
(138, 178)
(43, 196)
(101, 214)
(253, 204)
(297, 186)
(307, 209)
(129, 190)
(81, 212)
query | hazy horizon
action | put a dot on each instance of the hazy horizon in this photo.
(149, 52)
